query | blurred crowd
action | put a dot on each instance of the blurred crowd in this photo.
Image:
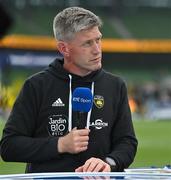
(151, 99)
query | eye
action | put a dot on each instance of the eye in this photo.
(88, 43)
(98, 40)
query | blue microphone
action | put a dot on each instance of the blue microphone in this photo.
(82, 101)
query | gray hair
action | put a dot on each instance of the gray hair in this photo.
(72, 20)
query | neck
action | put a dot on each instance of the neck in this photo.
(75, 70)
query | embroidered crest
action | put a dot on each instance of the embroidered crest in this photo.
(99, 101)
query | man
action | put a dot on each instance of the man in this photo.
(41, 129)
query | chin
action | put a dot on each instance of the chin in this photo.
(97, 67)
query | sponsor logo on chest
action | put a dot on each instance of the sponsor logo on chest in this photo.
(98, 124)
(58, 103)
(57, 125)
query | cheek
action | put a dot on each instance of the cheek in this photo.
(81, 53)
(75, 51)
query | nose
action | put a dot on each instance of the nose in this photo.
(96, 48)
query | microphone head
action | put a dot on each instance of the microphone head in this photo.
(82, 99)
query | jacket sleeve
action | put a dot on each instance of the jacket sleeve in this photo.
(18, 142)
(124, 142)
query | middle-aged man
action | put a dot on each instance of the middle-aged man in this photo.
(42, 128)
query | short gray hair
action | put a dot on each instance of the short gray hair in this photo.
(72, 20)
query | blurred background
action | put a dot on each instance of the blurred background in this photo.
(136, 46)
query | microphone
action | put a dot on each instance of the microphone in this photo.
(82, 101)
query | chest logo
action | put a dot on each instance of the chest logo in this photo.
(57, 125)
(99, 101)
(58, 103)
(98, 124)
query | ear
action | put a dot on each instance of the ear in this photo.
(63, 48)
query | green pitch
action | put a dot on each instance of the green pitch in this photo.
(154, 146)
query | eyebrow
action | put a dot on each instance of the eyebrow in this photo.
(98, 37)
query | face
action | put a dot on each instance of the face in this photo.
(84, 52)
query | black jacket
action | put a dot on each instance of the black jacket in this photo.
(40, 116)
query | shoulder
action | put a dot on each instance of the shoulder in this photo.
(37, 81)
(113, 78)
(114, 83)
(38, 78)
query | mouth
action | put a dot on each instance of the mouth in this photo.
(96, 59)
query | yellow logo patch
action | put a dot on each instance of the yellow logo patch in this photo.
(99, 101)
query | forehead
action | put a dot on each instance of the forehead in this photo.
(88, 34)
